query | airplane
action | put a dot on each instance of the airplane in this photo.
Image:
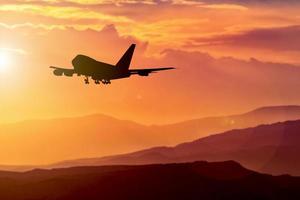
(103, 72)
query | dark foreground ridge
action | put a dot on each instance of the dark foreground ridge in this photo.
(198, 180)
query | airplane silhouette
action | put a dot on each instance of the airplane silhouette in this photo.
(103, 72)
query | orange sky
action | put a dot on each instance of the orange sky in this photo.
(232, 56)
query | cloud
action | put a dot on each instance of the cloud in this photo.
(79, 3)
(16, 51)
(201, 85)
(63, 12)
(225, 6)
(218, 4)
(185, 2)
(279, 39)
(253, 2)
(150, 20)
(70, 42)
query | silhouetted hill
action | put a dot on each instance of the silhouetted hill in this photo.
(267, 148)
(46, 141)
(199, 180)
(197, 128)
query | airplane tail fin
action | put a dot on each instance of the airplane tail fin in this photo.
(125, 61)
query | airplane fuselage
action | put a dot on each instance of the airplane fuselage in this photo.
(84, 65)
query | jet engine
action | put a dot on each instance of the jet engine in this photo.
(68, 73)
(58, 72)
(141, 73)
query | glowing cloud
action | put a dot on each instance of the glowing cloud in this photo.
(64, 12)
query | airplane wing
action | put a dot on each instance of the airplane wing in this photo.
(146, 72)
(58, 71)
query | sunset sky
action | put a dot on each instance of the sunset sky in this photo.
(231, 56)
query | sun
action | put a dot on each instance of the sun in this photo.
(5, 61)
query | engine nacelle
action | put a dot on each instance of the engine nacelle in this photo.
(58, 72)
(141, 73)
(68, 73)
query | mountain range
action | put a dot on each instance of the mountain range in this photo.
(198, 180)
(48, 141)
(272, 149)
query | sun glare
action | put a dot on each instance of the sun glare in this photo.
(4, 61)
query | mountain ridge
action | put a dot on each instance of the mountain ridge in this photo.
(100, 135)
(265, 148)
(196, 180)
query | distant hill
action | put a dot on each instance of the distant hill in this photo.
(47, 141)
(199, 180)
(197, 128)
(272, 149)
